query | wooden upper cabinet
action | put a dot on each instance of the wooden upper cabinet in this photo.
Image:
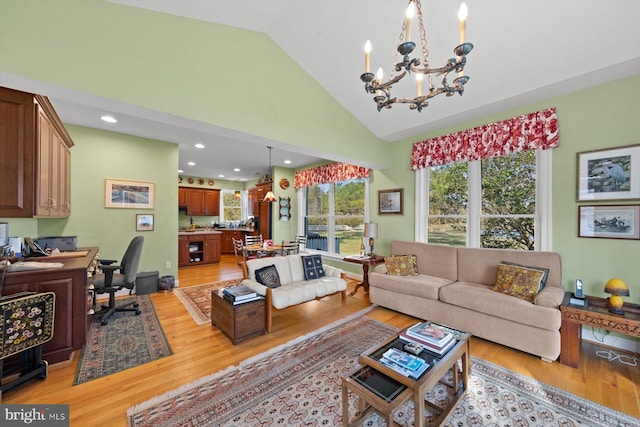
(253, 202)
(35, 162)
(200, 202)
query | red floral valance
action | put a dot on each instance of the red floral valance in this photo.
(522, 133)
(334, 172)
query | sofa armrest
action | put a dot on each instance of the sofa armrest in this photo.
(549, 297)
(380, 268)
(258, 288)
(332, 271)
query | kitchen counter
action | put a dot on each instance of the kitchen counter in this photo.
(198, 231)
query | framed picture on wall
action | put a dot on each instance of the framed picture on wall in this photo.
(609, 222)
(610, 174)
(390, 201)
(128, 194)
(144, 222)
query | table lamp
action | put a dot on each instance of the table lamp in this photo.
(617, 288)
(371, 231)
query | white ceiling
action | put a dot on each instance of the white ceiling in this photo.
(525, 51)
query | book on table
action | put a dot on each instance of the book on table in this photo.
(404, 363)
(439, 350)
(241, 301)
(431, 333)
(239, 293)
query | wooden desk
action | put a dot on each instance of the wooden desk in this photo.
(365, 262)
(69, 283)
(594, 313)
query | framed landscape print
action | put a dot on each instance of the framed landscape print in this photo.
(390, 201)
(144, 222)
(611, 174)
(128, 194)
(610, 222)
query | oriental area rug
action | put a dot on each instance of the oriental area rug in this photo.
(125, 342)
(197, 299)
(299, 384)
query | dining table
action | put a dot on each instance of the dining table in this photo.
(275, 249)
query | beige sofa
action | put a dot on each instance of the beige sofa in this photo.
(453, 287)
(294, 289)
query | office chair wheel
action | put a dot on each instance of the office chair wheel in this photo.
(138, 312)
(136, 305)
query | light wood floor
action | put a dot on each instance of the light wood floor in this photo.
(202, 350)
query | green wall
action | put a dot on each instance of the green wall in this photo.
(604, 116)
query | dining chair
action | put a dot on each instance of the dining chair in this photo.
(289, 248)
(256, 240)
(241, 256)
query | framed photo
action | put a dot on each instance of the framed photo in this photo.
(611, 174)
(128, 194)
(390, 201)
(144, 222)
(609, 222)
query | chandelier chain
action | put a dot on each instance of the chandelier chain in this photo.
(423, 40)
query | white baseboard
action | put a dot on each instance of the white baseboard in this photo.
(611, 340)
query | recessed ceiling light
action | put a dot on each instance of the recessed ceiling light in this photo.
(191, 163)
(180, 171)
(287, 162)
(220, 176)
(198, 145)
(109, 119)
(236, 169)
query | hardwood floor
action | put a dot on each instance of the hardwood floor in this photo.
(202, 350)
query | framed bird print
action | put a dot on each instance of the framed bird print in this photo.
(609, 174)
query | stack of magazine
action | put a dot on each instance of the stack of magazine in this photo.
(433, 337)
(404, 363)
(240, 294)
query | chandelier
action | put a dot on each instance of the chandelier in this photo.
(419, 66)
(269, 197)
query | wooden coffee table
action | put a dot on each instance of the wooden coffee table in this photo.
(238, 321)
(409, 388)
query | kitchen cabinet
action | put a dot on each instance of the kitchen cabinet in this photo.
(227, 240)
(35, 160)
(72, 305)
(262, 210)
(197, 248)
(252, 202)
(200, 202)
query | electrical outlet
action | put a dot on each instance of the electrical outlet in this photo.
(167, 264)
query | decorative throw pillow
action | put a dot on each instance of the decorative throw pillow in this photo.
(520, 282)
(402, 265)
(312, 267)
(543, 283)
(268, 276)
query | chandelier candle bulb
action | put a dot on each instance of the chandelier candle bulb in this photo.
(462, 15)
(379, 76)
(419, 80)
(411, 11)
(367, 56)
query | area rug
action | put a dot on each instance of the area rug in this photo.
(197, 299)
(125, 342)
(299, 384)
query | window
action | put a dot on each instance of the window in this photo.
(231, 206)
(498, 202)
(335, 216)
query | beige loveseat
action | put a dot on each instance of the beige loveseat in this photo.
(453, 287)
(294, 288)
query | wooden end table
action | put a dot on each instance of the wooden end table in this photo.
(415, 388)
(594, 313)
(366, 263)
(238, 321)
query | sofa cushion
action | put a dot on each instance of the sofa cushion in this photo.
(480, 298)
(292, 294)
(402, 265)
(520, 282)
(312, 267)
(544, 270)
(268, 276)
(282, 265)
(422, 285)
(433, 260)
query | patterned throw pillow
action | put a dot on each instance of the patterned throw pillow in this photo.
(520, 282)
(268, 276)
(402, 265)
(312, 267)
(543, 283)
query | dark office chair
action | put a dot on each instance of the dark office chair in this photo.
(111, 282)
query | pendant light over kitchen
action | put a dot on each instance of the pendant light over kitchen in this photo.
(269, 197)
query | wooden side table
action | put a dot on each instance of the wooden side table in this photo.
(366, 263)
(237, 321)
(594, 313)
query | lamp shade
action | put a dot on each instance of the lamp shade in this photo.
(371, 230)
(270, 197)
(617, 286)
